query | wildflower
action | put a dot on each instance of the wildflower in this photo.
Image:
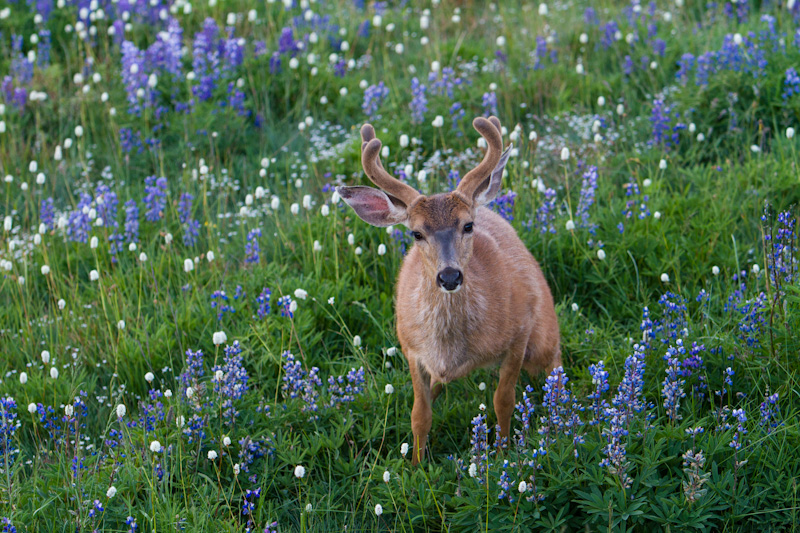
(188, 265)
(438, 122)
(45, 356)
(155, 446)
(212, 455)
(601, 254)
(404, 449)
(299, 471)
(32, 408)
(665, 278)
(715, 270)
(111, 492)
(219, 337)
(226, 440)
(565, 154)
(570, 225)
(378, 510)
(23, 378)
(381, 249)
(789, 133)
(94, 275)
(121, 325)
(300, 294)
(121, 410)
(522, 487)
(53, 372)
(386, 476)
(388, 389)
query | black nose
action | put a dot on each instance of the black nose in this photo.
(449, 278)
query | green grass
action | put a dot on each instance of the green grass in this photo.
(710, 199)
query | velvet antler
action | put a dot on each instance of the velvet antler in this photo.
(489, 130)
(370, 160)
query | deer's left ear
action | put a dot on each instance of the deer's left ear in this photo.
(487, 191)
(374, 206)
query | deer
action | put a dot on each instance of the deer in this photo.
(469, 294)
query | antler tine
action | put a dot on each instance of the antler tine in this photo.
(489, 130)
(371, 161)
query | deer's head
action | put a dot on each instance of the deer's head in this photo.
(443, 225)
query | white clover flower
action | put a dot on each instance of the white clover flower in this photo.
(404, 449)
(32, 408)
(715, 270)
(388, 389)
(94, 275)
(212, 455)
(53, 372)
(111, 492)
(570, 225)
(149, 377)
(23, 378)
(601, 254)
(155, 446)
(665, 278)
(301, 294)
(121, 410)
(386, 476)
(299, 471)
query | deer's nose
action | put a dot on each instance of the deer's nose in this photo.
(449, 279)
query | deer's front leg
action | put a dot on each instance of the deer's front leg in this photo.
(505, 395)
(421, 414)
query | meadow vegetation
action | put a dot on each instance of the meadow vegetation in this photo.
(197, 334)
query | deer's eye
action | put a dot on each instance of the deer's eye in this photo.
(417, 235)
(468, 227)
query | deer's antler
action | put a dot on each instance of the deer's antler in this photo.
(371, 161)
(490, 130)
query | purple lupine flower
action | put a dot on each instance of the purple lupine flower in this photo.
(636, 200)
(489, 104)
(685, 66)
(526, 410)
(769, 412)
(791, 85)
(561, 411)
(503, 205)
(588, 188)
(8, 426)
(155, 200)
(741, 418)
(78, 223)
(479, 454)
(609, 30)
(8, 526)
(107, 204)
(185, 207)
(131, 221)
(285, 305)
(600, 406)
(628, 399)
(252, 249)
(456, 114)
(232, 52)
(616, 454)
(134, 76)
(444, 82)
(206, 60)
(47, 213)
(44, 47)
(540, 52)
(419, 102)
(341, 393)
(374, 96)
(301, 384)
(506, 490)
(672, 389)
(165, 53)
(263, 301)
(546, 213)
(233, 384)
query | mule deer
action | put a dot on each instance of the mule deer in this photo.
(469, 293)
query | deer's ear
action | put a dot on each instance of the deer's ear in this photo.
(487, 191)
(374, 206)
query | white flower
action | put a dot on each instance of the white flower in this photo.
(45, 270)
(8, 223)
(756, 269)
(575, 308)
(522, 486)
(388, 389)
(142, 257)
(121, 325)
(715, 270)
(665, 278)
(657, 215)
(94, 275)
(601, 101)
(112, 490)
(21, 280)
(662, 164)
(482, 407)
(403, 140)
(188, 265)
(155, 446)
(69, 410)
(23, 378)
(755, 148)
(78, 131)
(404, 449)
(789, 133)
(358, 250)
(473, 470)
(701, 137)
(62, 303)
(189, 392)
(45, 356)
(647, 182)
(210, 256)
(325, 210)
(565, 154)
(620, 109)
(294, 208)
(299, 471)
(121, 410)
(168, 393)
(53, 372)
(438, 122)
(301, 294)
(219, 337)
(309, 507)
(317, 246)
(543, 10)
(378, 509)
(219, 375)
(94, 243)
(601, 254)
(32, 408)
(236, 469)
(149, 377)
(293, 306)
(377, 20)
(212, 455)
(226, 440)
(482, 386)
(180, 421)
(168, 239)
(570, 225)
(386, 476)
(381, 249)
(331, 300)
(391, 351)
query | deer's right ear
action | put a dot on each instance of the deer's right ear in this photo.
(374, 206)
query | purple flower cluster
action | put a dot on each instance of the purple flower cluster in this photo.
(301, 384)
(503, 205)
(672, 386)
(263, 303)
(588, 189)
(252, 249)
(419, 102)
(374, 96)
(546, 212)
(8, 426)
(155, 200)
(769, 412)
(561, 411)
(489, 104)
(628, 400)
(666, 125)
(615, 450)
(233, 383)
(342, 393)
(600, 381)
